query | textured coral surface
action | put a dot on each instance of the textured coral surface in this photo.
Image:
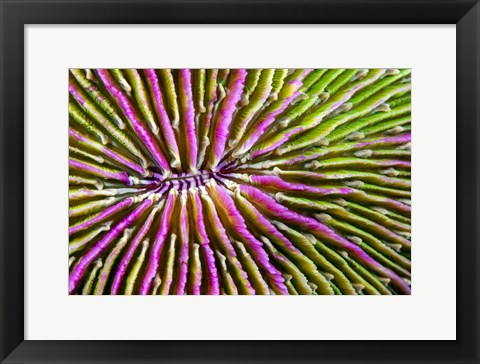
(236, 181)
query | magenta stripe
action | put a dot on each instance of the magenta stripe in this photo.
(183, 259)
(260, 255)
(79, 270)
(189, 114)
(212, 274)
(114, 155)
(165, 124)
(101, 216)
(82, 166)
(235, 87)
(269, 118)
(279, 184)
(321, 230)
(135, 122)
(400, 139)
(122, 268)
(159, 241)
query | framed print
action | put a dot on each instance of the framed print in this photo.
(169, 167)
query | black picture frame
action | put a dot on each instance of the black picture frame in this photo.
(15, 14)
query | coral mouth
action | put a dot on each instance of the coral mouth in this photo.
(186, 180)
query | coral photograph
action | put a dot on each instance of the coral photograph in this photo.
(239, 181)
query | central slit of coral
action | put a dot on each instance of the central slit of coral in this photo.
(184, 181)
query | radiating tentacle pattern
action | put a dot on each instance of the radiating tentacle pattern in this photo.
(239, 181)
